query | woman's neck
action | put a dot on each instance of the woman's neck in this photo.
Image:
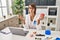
(32, 17)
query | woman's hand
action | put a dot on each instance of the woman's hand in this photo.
(41, 17)
(22, 19)
(38, 21)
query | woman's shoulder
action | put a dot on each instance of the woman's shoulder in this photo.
(27, 16)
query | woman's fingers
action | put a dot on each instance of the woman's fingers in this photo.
(20, 17)
(38, 21)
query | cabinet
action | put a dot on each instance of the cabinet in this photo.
(51, 19)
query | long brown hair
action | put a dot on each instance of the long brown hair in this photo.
(33, 6)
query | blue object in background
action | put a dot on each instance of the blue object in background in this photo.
(34, 23)
(48, 32)
(57, 39)
(26, 11)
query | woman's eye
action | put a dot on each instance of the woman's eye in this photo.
(30, 8)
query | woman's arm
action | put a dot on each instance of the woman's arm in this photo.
(38, 21)
(22, 19)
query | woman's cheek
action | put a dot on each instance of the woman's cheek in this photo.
(29, 11)
(32, 10)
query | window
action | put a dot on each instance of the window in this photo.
(3, 2)
(0, 9)
(3, 8)
(0, 13)
(41, 2)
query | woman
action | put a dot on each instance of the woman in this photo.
(31, 17)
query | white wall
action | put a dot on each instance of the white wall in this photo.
(58, 23)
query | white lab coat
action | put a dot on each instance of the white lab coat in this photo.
(29, 23)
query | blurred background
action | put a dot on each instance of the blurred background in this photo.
(51, 9)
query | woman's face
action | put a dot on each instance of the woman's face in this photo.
(31, 10)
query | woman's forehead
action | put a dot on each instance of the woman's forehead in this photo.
(29, 6)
